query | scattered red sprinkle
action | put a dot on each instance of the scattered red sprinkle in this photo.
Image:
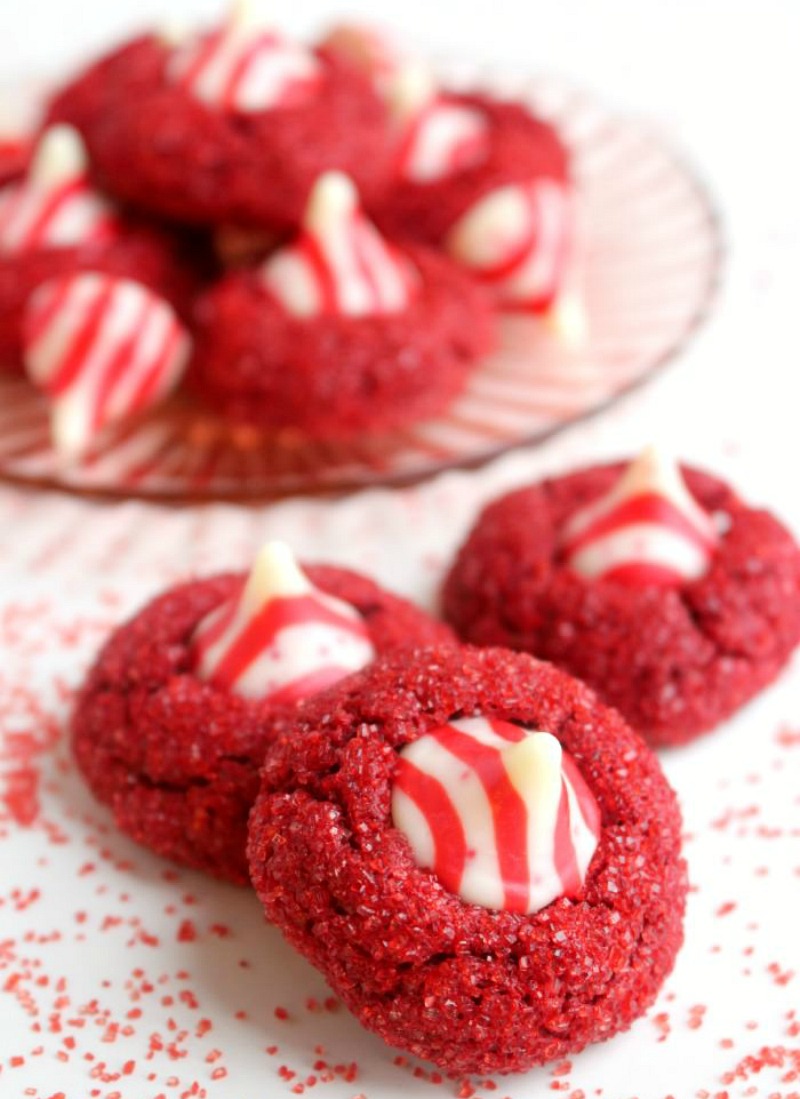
(778, 1057)
(696, 1014)
(187, 932)
(788, 738)
(780, 976)
(661, 1021)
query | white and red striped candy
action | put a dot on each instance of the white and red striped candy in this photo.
(102, 348)
(500, 814)
(516, 239)
(246, 66)
(438, 138)
(443, 140)
(339, 264)
(648, 530)
(55, 206)
(280, 638)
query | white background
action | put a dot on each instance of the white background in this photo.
(723, 80)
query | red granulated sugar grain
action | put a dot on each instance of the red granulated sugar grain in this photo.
(187, 932)
(662, 1022)
(779, 975)
(785, 1062)
(696, 1015)
(28, 732)
(788, 738)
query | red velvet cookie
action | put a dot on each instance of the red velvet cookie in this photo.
(156, 144)
(176, 756)
(482, 179)
(676, 655)
(520, 148)
(339, 332)
(472, 988)
(54, 223)
(488, 182)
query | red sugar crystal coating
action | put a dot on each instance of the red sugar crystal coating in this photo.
(471, 989)
(141, 253)
(523, 148)
(156, 145)
(331, 376)
(674, 662)
(176, 758)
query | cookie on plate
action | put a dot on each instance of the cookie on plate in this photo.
(55, 223)
(339, 331)
(102, 349)
(230, 126)
(485, 180)
(482, 859)
(171, 726)
(659, 587)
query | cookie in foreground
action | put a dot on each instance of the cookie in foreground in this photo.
(660, 588)
(172, 724)
(481, 858)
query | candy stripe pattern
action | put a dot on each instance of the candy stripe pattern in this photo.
(439, 138)
(500, 814)
(281, 638)
(102, 349)
(517, 240)
(441, 141)
(245, 67)
(340, 264)
(647, 530)
(55, 206)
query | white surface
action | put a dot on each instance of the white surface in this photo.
(723, 77)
